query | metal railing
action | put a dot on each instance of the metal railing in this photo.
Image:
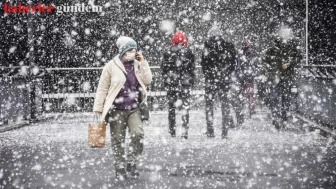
(319, 71)
(73, 89)
(18, 89)
(317, 95)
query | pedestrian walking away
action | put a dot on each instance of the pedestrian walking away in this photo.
(121, 91)
(178, 72)
(280, 61)
(218, 63)
(247, 72)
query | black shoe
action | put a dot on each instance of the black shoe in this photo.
(131, 168)
(121, 174)
(283, 124)
(210, 134)
(224, 134)
(172, 133)
(252, 112)
(184, 135)
(276, 124)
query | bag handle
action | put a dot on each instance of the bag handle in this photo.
(96, 118)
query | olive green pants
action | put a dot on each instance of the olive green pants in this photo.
(119, 120)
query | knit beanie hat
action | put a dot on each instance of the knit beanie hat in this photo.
(125, 43)
(215, 31)
(179, 38)
(246, 45)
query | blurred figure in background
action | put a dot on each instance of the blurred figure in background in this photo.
(178, 71)
(279, 63)
(218, 63)
(246, 71)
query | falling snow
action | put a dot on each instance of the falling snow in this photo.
(50, 67)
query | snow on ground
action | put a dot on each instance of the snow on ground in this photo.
(56, 154)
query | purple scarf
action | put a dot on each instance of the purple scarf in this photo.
(128, 97)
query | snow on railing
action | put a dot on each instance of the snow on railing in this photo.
(319, 71)
(82, 82)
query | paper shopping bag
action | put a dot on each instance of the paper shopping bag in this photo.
(97, 134)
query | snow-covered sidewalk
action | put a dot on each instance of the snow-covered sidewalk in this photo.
(55, 154)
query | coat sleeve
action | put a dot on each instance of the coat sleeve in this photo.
(102, 90)
(163, 66)
(267, 66)
(296, 58)
(271, 65)
(192, 68)
(233, 58)
(145, 72)
(204, 59)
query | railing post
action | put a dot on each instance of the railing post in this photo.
(33, 108)
(2, 121)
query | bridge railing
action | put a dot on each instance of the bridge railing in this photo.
(73, 89)
(27, 92)
(18, 89)
(316, 97)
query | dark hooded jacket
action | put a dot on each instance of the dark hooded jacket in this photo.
(218, 59)
(178, 67)
(247, 66)
(281, 52)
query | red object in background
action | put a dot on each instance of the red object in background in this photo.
(179, 38)
(245, 43)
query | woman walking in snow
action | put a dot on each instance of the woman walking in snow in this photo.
(121, 90)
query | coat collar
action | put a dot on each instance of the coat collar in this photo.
(121, 65)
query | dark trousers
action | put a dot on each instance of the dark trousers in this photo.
(238, 101)
(119, 121)
(222, 90)
(178, 98)
(262, 93)
(280, 103)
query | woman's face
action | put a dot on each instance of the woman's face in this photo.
(130, 51)
(130, 55)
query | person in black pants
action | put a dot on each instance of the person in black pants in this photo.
(279, 68)
(178, 71)
(218, 63)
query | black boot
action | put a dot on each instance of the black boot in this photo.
(185, 134)
(131, 168)
(276, 124)
(210, 133)
(172, 133)
(121, 174)
(185, 131)
(224, 134)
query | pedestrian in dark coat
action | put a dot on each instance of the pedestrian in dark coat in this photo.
(280, 61)
(218, 63)
(246, 71)
(178, 71)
